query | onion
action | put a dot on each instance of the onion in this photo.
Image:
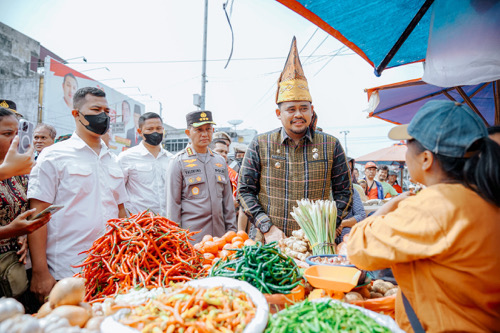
(44, 310)
(76, 315)
(94, 323)
(68, 291)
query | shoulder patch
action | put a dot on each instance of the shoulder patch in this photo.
(179, 153)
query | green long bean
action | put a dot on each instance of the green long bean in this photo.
(324, 317)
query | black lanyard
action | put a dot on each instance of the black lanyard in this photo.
(369, 189)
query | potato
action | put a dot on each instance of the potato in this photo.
(68, 291)
(388, 284)
(353, 296)
(76, 315)
(376, 295)
(392, 291)
(381, 287)
(44, 310)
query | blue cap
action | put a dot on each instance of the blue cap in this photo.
(444, 127)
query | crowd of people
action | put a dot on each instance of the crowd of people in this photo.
(436, 242)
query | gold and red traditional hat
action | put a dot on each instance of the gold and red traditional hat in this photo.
(292, 84)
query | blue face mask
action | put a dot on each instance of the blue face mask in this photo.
(98, 123)
(154, 138)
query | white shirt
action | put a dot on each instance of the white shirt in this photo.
(145, 179)
(90, 187)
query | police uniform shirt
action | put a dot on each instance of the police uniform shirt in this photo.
(199, 195)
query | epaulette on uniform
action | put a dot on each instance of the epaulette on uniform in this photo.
(190, 151)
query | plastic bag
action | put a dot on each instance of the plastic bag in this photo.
(384, 305)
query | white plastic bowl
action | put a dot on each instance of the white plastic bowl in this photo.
(257, 325)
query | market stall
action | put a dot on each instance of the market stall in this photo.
(144, 275)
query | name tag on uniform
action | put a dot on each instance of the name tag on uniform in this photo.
(219, 170)
(191, 171)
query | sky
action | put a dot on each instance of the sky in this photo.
(156, 45)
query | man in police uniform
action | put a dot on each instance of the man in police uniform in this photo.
(199, 195)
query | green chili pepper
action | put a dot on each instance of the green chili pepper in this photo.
(263, 266)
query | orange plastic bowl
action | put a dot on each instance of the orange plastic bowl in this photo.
(333, 278)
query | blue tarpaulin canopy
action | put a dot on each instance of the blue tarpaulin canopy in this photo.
(398, 102)
(372, 27)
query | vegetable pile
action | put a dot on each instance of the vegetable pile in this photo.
(64, 312)
(263, 266)
(328, 316)
(188, 309)
(377, 289)
(318, 220)
(297, 246)
(142, 250)
(215, 247)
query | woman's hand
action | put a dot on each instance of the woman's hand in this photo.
(338, 231)
(22, 226)
(16, 164)
(22, 241)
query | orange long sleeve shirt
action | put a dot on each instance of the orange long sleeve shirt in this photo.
(443, 246)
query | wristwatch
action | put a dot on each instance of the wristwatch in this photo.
(265, 226)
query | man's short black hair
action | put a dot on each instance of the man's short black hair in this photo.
(137, 109)
(69, 75)
(146, 116)
(280, 103)
(383, 168)
(79, 98)
(5, 113)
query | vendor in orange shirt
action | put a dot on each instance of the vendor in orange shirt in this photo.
(374, 189)
(442, 243)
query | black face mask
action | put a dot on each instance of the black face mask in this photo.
(154, 138)
(98, 123)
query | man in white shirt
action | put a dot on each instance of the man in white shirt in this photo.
(145, 168)
(81, 174)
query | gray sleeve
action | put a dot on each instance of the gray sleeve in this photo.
(174, 191)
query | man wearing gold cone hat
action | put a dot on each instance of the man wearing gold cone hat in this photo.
(292, 162)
